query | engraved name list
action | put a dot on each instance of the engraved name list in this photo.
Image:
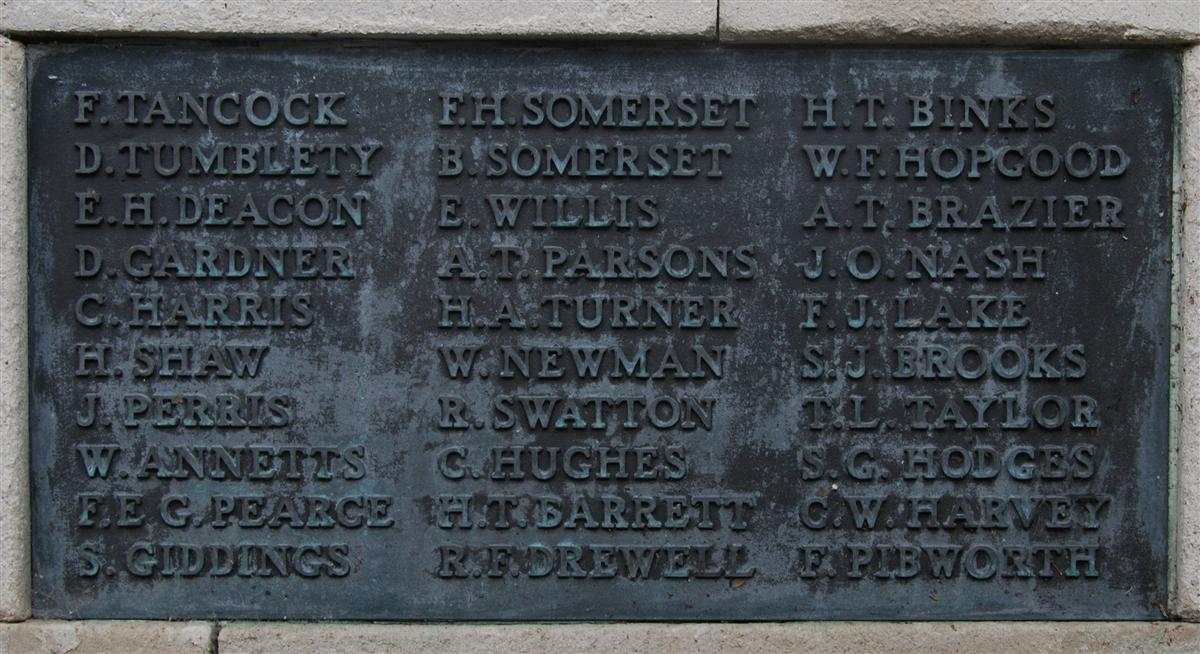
(480, 332)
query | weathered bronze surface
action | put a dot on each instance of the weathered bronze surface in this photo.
(482, 332)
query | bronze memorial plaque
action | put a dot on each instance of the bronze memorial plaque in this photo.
(480, 332)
